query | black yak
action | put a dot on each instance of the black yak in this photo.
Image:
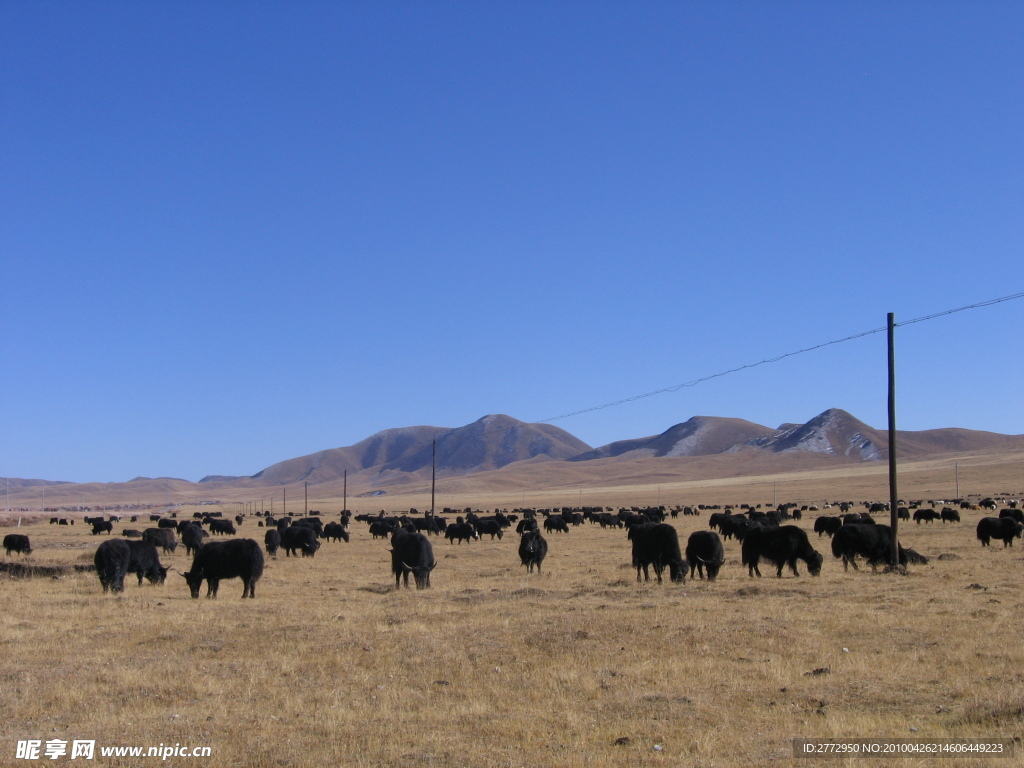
(657, 545)
(533, 548)
(218, 560)
(411, 553)
(780, 546)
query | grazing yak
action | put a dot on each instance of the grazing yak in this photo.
(111, 560)
(335, 532)
(222, 527)
(381, 529)
(949, 515)
(780, 546)
(229, 559)
(144, 561)
(17, 542)
(161, 537)
(926, 515)
(873, 543)
(411, 553)
(272, 541)
(529, 524)
(704, 550)
(657, 545)
(299, 537)
(312, 522)
(192, 537)
(533, 548)
(102, 526)
(1016, 514)
(556, 523)
(827, 524)
(486, 525)
(1004, 528)
(460, 531)
(428, 524)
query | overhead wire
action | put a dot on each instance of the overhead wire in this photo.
(694, 382)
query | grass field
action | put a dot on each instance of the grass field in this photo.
(579, 666)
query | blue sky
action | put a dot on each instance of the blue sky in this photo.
(233, 233)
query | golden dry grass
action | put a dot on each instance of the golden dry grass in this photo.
(492, 667)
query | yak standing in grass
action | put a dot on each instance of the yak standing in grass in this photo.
(556, 524)
(192, 537)
(17, 542)
(533, 548)
(1004, 528)
(144, 561)
(657, 545)
(411, 553)
(873, 543)
(111, 559)
(827, 524)
(1016, 514)
(704, 550)
(272, 541)
(299, 538)
(926, 516)
(460, 531)
(218, 560)
(780, 546)
(335, 532)
(161, 537)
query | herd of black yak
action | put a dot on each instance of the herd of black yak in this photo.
(763, 536)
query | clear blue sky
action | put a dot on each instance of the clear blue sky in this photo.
(232, 233)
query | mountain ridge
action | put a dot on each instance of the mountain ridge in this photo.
(405, 455)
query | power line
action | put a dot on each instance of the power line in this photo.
(695, 382)
(988, 303)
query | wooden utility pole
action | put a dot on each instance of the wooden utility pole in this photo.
(305, 497)
(344, 493)
(433, 476)
(893, 493)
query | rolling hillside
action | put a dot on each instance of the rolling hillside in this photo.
(500, 452)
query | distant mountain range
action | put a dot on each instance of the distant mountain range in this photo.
(395, 457)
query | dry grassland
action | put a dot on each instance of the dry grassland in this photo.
(330, 665)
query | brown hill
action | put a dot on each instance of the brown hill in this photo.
(699, 436)
(488, 443)
(383, 449)
(929, 442)
(834, 433)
